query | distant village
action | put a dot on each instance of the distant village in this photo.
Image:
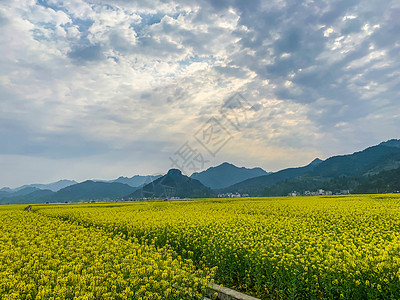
(232, 195)
(319, 192)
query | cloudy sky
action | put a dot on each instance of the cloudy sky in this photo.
(108, 88)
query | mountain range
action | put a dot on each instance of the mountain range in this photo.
(226, 175)
(342, 172)
(252, 186)
(89, 191)
(375, 169)
(134, 181)
(173, 185)
(137, 180)
(54, 186)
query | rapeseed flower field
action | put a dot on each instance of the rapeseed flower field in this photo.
(272, 248)
(47, 258)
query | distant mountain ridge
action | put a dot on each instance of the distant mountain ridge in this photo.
(226, 174)
(329, 173)
(382, 182)
(391, 143)
(25, 195)
(173, 184)
(90, 190)
(134, 181)
(81, 192)
(375, 168)
(357, 163)
(137, 180)
(54, 186)
(253, 186)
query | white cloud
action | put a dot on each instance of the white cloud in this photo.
(84, 80)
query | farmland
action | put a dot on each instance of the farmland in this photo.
(300, 247)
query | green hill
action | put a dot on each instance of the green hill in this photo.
(173, 184)
(225, 175)
(255, 186)
(90, 190)
(384, 182)
(358, 163)
(24, 197)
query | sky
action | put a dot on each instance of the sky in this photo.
(102, 89)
